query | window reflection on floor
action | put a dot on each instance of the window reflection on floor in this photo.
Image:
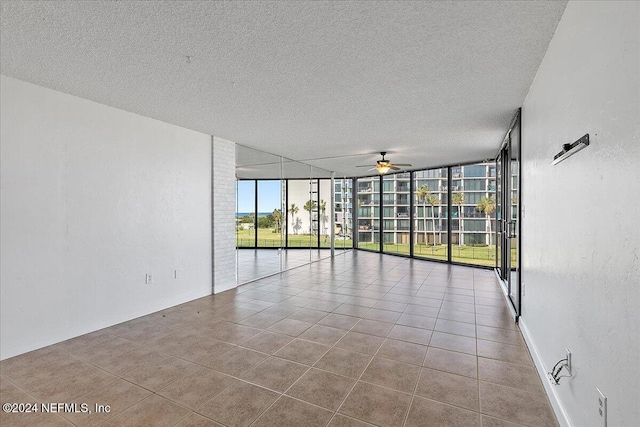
(256, 263)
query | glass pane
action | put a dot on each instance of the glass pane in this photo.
(258, 175)
(295, 194)
(320, 192)
(299, 226)
(395, 213)
(270, 217)
(473, 215)
(514, 200)
(430, 214)
(497, 231)
(245, 214)
(343, 214)
(368, 206)
(324, 212)
(312, 212)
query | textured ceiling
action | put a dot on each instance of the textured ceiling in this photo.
(432, 83)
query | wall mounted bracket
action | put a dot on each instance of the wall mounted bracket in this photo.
(569, 150)
(554, 374)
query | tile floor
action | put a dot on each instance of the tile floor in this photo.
(363, 339)
(256, 263)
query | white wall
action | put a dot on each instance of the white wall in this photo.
(581, 229)
(93, 198)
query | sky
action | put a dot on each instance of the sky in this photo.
(268, 196)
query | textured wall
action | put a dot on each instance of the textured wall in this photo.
(581, 238)
(224, 214)
(93, 198)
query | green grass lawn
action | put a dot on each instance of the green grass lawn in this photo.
(268, 239)
(480, 255)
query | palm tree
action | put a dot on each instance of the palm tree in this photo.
(433, 200)
(488, 206)
(323, 209)
(422, 193)
(277, 219)
(293, 210)
(458, 199)
(310, 206)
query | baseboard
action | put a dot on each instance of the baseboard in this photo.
(56, 336)
(552, 394)
(222, 288)
(505, 294)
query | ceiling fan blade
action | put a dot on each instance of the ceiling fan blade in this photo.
(363, 166)
(402, 164)
(394, 167)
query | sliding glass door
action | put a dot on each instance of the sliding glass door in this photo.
(514, 218)
(508, 215)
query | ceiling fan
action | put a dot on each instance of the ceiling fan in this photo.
(383, 166)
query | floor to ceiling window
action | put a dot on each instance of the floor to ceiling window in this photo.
(446, 214)
(473, 213)
(295, 211)
(396, 213)
(368, 200)
(300, 206)
(323, 212)
(343, 213)
(282, 204)
(270, 216)
(413, 208)
(245, 213)
(430, 194)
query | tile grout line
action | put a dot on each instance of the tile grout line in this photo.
(477, 357)
(369, 364)
(309, 369)
(323, 297)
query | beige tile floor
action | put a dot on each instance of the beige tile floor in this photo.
(363, 339)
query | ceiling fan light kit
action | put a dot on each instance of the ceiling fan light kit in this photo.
(383, 166)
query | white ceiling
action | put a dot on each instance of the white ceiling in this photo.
(431, 82)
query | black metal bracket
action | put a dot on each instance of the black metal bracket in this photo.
(570, 149)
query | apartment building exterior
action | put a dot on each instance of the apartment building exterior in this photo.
(470, 224)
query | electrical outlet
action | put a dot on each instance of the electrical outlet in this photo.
(148, 279)
(568, 368)
(602, 408)
(177, 274)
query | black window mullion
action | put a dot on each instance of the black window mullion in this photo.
(381, 215)
(411, 207)
(354, 213)
(449, 193)
(255, 216)
(318, 222)
(286, 213)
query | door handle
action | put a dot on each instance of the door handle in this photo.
(512, 229)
